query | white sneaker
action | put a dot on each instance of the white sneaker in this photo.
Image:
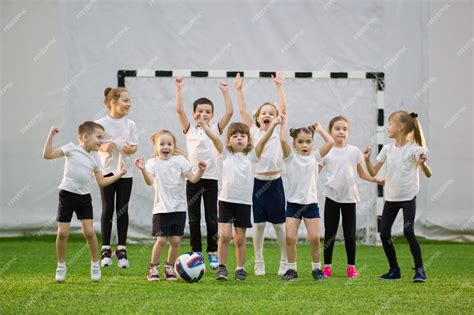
(61, 273)
(213, 260)
(121, 255)
(259, 268)
(106, 257)
(283, 268)
(95, 272)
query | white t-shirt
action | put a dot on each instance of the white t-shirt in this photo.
(237, 176)
(271, 157)
(169, 184)
(79, 169)
(119, 131)
(341, 169)
(201, 148)
(402, 181)
(302, 174)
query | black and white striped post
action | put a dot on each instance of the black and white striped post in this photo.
(373, 225)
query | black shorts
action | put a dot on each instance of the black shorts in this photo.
(235, 213)
(70, 202)
(169, 224)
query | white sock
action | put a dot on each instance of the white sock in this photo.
(62, 264)
(281, 238)
(258, 238)
(239, 268)
(327, 265)
(119, 247)
(316, 265)
(292, 266)
(95, 263)
(105, 246)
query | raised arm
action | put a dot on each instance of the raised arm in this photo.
(246, 118)
(229, 111)
(375, 168)
(263, 141)
(328, 140)
(194, 177)
(282, 104)
(366, 176)
(106, 181)
(183, 120)
(284, 137)
(149, 178)
(214, 138)
(48, 152)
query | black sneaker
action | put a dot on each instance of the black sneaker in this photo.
(221, 273)
(318, 275)
(106, 257)
(420, 275)
(392, 274)
(240, 275)
(290, 275)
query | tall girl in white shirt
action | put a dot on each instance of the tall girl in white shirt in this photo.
(120, 142)
(403, 158)
(167, 172)
(302, 197)
(268, 203)
(342, 164)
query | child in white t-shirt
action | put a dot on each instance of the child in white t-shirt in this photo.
(302, 196)
(82, 165)
(167, 171)
(235, 199)
(342, 164)
(120, 142)
(268, 203)
(402, 159)
(200, 148)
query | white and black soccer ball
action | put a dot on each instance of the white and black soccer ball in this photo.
(190, 267)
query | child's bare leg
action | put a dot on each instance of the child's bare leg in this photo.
(91, 238)
(61, 241)
(312, 226)
(158, 249)
(240, 246)
(173, 252)
(225, 234)
(292, 225)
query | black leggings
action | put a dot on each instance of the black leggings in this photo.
(207, 189)
(390, 211)
(120, 192)
(332, 211)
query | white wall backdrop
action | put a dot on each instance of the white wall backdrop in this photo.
(57, 57)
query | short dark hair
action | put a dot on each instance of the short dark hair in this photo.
(89, 127)
(202, 100)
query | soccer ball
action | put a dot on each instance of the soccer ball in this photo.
(190, 267)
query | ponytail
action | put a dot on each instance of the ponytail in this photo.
(418, 134)
(412, 126)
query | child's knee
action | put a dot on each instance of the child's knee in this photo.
(224, 238)
(161, 241)
(314, 240)
(291, 239)
(89, 234)
(175, 241)
(62, 234)
(239, 241)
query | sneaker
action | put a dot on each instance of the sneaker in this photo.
(352, 272)
(213, 260)
(121, 255)
(106, 259)
(170, 275)
(61, 273)
(240, 275)
(290, 275)
(153, 272)
(283, 268)
(318, 275)
(392, 274)
(259, 268)
(221, 273)
(95, 272)
(420, 275)
(327, 271)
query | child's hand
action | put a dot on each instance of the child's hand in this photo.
(53, 131)
(278, 78)
(202, 165)
(198, 119)
(317, 127)
(127, 148)
(224, 87)
(367, 153)
(179, 82)
(123, 169)
(277, 120)
(380, 181)
(238, 82)
(108, 146)
(423, 157)
(139, 163)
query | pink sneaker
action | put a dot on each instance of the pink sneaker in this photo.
(327, 271)
(352, 272)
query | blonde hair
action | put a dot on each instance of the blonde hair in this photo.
(154, 141)
(112, 94)
(412, 125)
(257, 113)
(243, 129)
